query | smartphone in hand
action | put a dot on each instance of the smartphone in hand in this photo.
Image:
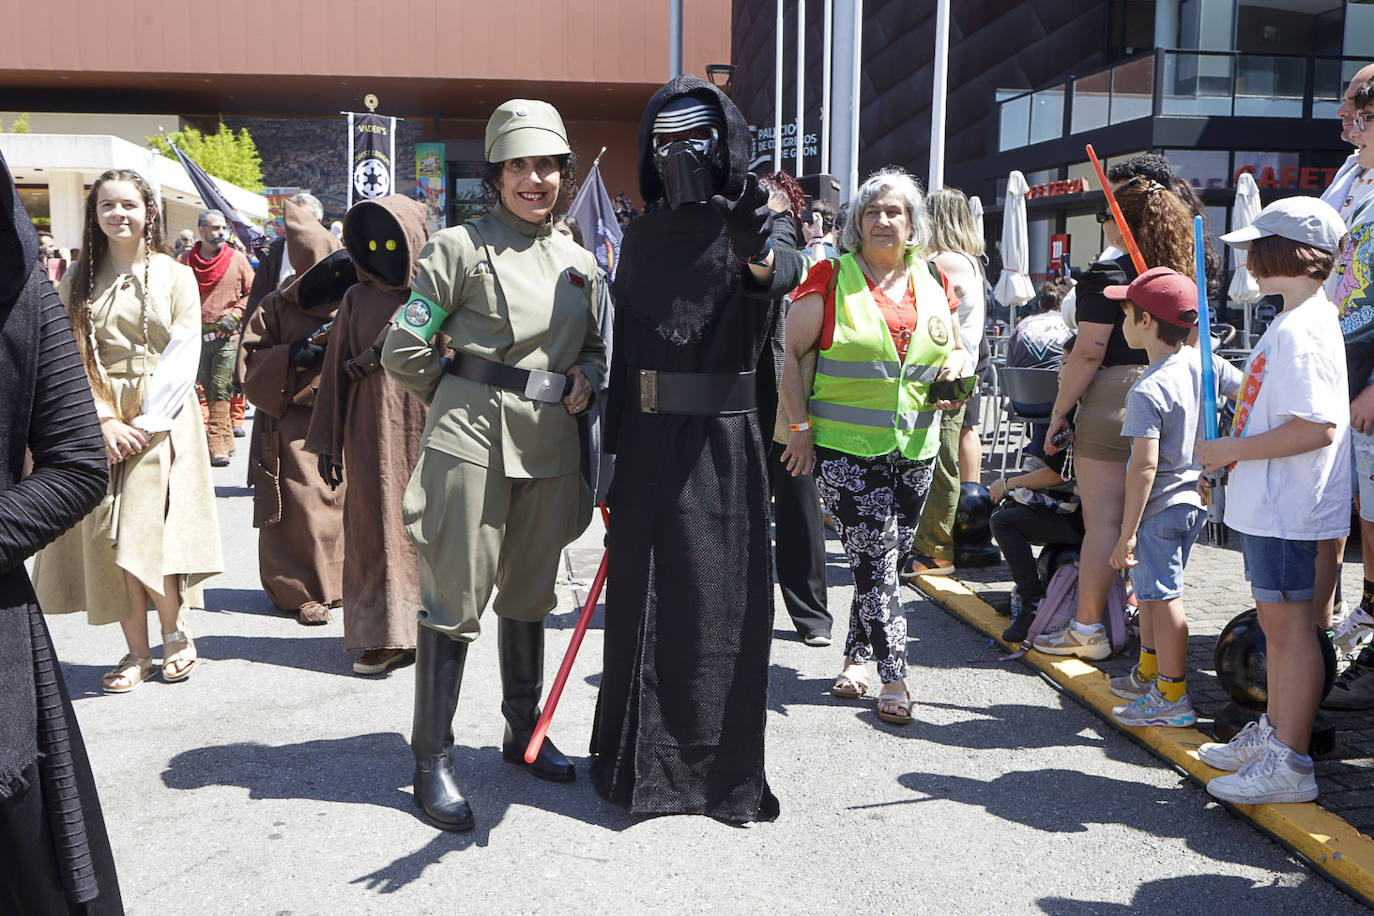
(959, 389)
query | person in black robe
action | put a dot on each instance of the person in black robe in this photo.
(679, 725)
(54, 853)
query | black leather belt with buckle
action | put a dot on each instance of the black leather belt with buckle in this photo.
(535, 384)
(707, 394)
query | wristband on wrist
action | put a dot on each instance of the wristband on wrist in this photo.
(799, 427)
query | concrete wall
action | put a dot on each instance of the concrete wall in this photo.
(135, 128)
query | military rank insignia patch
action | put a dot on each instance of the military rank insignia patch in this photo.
(417, 313)
(939, 331)
(576, 279)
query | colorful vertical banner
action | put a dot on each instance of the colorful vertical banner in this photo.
(431, 183)
(371, 156)
(276, 210)
(594, 214)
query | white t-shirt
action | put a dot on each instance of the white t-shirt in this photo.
(1297, 369)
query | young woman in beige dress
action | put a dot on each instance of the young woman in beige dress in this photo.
(155, 537)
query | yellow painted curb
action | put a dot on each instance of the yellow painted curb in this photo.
(1324, 838)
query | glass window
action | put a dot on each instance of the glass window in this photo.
(1205, 25)
(1270, 86)
(1133, 88)
(1014, 127)
(1201, 168)
(1085, 239)
(1359, 29)
(1288, 27)
(1271, 170)
(1196, 84)
(1091, 101)
(1047, 115)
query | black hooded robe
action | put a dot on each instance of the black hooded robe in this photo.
(54, 854)
(689, 605)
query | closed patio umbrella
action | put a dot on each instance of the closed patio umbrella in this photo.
(1244, 289)
(975, 206)
(1014, 286)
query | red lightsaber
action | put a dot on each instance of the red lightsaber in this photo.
(1136, 257)
(584, 620)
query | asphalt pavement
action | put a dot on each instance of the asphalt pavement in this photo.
(275, 781)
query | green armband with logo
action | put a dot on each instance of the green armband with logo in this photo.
(421, 317)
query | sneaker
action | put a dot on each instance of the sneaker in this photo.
(1021, 624)
(1152, 709)
(1068, 641)
(1353, 632)
(1354, 689)
(918, 564)
(817, 640)
(1129, 686)
(1234, 754)
(1274, 776)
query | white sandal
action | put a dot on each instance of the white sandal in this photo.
(185, 656)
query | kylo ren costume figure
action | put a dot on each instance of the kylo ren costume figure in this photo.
(680, 716)
(54, 853)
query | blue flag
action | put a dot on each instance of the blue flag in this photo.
(596, 217)
(251, 238)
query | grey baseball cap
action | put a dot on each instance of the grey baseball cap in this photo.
(1305, 220)
(525, 127)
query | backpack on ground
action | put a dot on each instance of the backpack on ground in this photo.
(1057, 608)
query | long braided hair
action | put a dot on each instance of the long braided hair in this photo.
(95, 248)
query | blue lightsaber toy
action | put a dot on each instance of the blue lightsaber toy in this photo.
(1204, 334)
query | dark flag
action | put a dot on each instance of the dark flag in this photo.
(371, 156)
(251, 238)
(594, 214)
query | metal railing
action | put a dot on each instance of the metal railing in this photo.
(1172, 83)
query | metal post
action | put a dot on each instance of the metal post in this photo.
(856, 80)
(777, 91)
(674, 38)
(829, 24)
(801, 86)
(938, 97)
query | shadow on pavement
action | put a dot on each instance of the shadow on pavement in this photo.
(1067, 801)
(305, 654)
(328, 770)
(232, 492)
(241, 601)
(1193, 893)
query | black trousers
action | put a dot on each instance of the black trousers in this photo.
(799, 546)
(1017, 528)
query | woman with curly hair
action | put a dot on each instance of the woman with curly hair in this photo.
(1095, 379)
(136, 316)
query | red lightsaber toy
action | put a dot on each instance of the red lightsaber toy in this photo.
(584, 620)
(1131, 247)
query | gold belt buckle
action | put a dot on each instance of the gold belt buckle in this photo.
(648, 390)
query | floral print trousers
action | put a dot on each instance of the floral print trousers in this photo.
(876, 503)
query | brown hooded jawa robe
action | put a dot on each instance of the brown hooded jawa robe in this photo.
(54, 852)
(365, 422)
(300, 520)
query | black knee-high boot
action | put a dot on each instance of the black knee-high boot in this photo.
(438, 676)
(520, 645)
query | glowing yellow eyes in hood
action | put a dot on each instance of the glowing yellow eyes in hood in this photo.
(390, 245)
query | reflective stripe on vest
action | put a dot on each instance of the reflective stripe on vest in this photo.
(866, 401)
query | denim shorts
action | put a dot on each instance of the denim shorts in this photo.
(1279, 570)
(1162, 546)
(1362, 460)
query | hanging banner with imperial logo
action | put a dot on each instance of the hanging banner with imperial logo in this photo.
(371, 156)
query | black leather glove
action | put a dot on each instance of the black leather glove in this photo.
(330, 471)
(748, 220)
(305, 354)
(227, 325)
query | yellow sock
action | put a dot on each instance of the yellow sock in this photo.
(1148, 666)
(1173, 689)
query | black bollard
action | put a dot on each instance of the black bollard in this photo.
(1241, 662)
(973, 546)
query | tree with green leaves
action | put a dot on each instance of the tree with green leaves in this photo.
(230, 156)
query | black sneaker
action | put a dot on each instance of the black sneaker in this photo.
(1021, 624)
(1354, 689)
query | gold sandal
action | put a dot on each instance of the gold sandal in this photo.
(891, 701)
(185, 656)
(132, 670)
(852, 683)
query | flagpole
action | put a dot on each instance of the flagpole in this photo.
(582, 189)
(801, 84)
(777, 90)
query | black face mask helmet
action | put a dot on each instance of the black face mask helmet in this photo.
(692, 169)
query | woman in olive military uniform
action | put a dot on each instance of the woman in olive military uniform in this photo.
(500, 460)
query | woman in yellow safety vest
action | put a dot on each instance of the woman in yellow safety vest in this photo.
(879, 320)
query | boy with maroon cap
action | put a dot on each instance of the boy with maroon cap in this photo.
(1163, 511)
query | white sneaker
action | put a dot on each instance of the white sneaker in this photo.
(1353, 632)
(1067, 640)
(1233, 755)
(1275, 776)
